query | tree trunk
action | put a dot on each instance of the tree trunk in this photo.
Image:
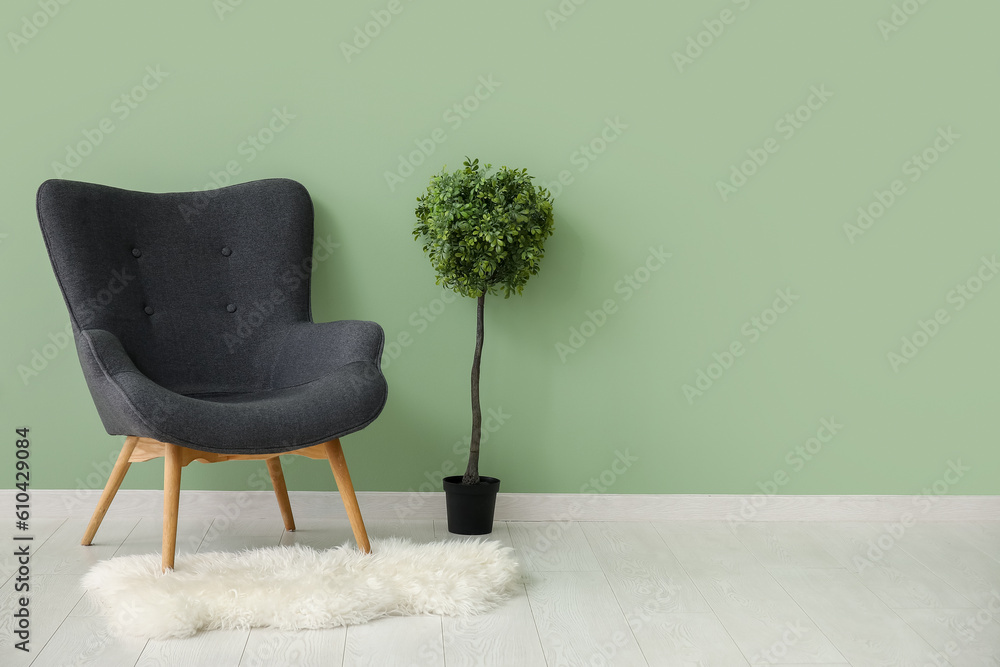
(472, 471)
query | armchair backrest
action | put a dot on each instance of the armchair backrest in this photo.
(196, 286)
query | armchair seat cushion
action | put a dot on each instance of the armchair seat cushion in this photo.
(341, 394)
(258, 422)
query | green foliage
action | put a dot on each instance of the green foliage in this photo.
(484, 232)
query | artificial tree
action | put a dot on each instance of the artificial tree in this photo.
(484, 232)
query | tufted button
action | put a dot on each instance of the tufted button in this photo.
(231, 308)
(136, 252)
(226, 252)
(148, 310)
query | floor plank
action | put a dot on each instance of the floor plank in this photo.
(684, 639)
(320, 534)
(309, 648)
(87, 640)
(579, 621)
(506, 636)
(644, 574)
(147, 536)
(861, 626)
(964, 637)
(41, 529)
(413, 640)
(51, 597)
(943, 550)
(756, 611)
(62, 553)
(899, 579)
(218, 648)
(419, 531)
(550, 546)
(226, 535)
(984, 535)
(779, 544)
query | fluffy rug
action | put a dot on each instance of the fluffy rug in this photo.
(295, 588)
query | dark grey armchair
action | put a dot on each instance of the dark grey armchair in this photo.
(191, 313)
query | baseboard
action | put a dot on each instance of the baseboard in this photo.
(530, 506)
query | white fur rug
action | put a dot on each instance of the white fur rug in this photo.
(297, 588)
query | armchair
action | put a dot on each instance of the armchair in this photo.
(192, 320)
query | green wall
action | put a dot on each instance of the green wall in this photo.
(836, 105)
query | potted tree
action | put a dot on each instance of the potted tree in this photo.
(484, 233)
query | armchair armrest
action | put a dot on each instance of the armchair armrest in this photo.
(309, 350)
(103, 353)
(105, 365)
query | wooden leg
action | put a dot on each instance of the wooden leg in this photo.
(110, 489)
(171, 500)
(340, 473)
(281, 492)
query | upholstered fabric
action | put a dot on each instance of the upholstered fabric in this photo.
(192, 320)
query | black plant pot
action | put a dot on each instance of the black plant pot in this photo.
(470, 506)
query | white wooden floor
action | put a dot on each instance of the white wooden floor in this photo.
(620, 594)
